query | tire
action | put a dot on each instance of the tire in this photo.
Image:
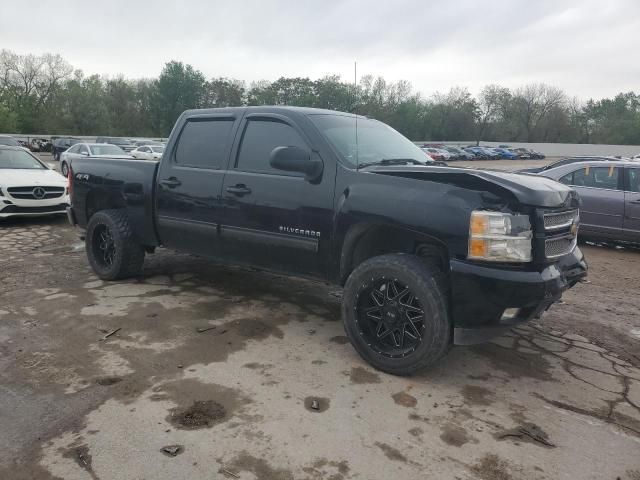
(112, 250)
(64, 169)
(363, 289)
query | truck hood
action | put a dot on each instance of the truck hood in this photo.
(527, 189)
(28, 177)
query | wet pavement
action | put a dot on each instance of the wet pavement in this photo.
(196, 370)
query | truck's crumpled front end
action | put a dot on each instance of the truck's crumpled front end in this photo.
(487, 298)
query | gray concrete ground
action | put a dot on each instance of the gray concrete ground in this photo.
(558, 398)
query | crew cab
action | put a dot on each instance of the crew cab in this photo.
(429, 256)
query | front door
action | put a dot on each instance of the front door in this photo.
(274, 218)
(190, 182)
(632, 204)
(602, 209)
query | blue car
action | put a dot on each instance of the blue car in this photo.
(504, 153)
(484, 153)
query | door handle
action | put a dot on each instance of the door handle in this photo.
(239, 189)
(171, 182)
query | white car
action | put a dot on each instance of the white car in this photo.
(148, 152)
(28, 187)
(90, 150)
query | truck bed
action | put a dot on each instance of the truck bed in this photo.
(130, 183)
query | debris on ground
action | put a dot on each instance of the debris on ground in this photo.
(172, 450)
(228, 473)
(200, 414)
(528, 431)
(315, 404)
(205, 329)
(112, 332)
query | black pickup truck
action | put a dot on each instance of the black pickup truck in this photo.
(429, 256)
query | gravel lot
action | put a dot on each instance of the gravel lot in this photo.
(222, 365)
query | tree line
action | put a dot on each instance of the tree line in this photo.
(45, 94)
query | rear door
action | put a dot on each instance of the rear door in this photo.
(188, 202)
(632, 204)
(600, 189)
(274, 218)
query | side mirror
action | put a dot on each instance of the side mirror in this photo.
(296, 159)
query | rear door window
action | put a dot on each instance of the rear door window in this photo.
(204, 143)
(259, 139)
(633, 180)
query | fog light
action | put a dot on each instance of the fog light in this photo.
(510, 313)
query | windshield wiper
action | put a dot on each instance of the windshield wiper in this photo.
(393, 161)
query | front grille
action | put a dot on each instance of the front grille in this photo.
(556, 232)
(559, 246)
(27, 193)
(556, 221)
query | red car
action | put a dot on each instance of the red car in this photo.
(433, 153)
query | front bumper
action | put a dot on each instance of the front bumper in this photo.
(480, 295)
(12, 207)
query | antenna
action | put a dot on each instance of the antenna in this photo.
(355, 105)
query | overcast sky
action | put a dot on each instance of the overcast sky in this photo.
(590, 48)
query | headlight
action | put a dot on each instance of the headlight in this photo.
(499, 237)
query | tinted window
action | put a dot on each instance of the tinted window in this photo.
(633, 180)
(259, 139)
(567, 179)
(597, 177)
(203, 143)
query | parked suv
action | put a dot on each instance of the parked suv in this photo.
(61, 144)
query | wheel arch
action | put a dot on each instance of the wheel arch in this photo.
(364, 240)
(98, 200)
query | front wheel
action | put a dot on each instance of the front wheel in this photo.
(64, 169)
(112, 250)
(395, 313)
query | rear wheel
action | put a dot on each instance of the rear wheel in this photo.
(112, 250)
(395, 313)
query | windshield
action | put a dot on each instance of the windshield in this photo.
(106, 150)
(157, 149)
(376, 141)
(18, 159)
(12, 142)
(119, 141)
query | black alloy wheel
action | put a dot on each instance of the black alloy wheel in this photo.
(390, 318)
(394, 309)
(104, 245)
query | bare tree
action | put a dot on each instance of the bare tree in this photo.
(490, 105)
(532, 103)
(29, 80)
